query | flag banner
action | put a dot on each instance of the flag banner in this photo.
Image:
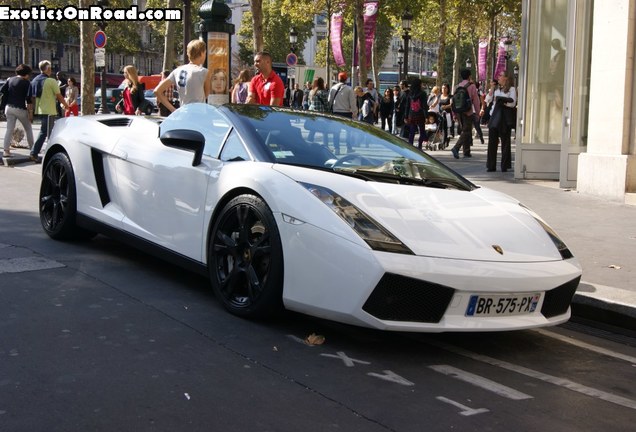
(501, 59)
(370, 20)
(336, 39)
(482, 60)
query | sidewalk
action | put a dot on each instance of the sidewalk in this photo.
(601, 234)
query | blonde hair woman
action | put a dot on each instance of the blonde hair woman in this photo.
(133, 94)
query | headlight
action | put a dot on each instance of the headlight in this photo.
(371, 232)
(560, 245)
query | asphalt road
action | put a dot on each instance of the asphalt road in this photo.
(100, 337)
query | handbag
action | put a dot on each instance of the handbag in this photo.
(496, 117)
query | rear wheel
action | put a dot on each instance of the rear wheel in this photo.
(245, 258)
(58, 200)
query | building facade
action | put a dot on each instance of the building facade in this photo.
(577, 122)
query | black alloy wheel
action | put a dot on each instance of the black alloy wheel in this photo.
(245, 258)
(58, 207)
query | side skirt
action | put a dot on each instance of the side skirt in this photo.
(143, 245)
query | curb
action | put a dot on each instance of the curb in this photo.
(605, 305)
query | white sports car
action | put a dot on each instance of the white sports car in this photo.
(313, 213)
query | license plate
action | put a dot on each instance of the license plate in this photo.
(502, 305)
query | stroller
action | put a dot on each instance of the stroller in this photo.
(435, 131)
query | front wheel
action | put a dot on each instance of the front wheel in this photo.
(245, 258)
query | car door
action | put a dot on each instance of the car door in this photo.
(162, 194)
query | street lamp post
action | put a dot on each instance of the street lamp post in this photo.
(293, 39)
(407, 19)
(400, 61)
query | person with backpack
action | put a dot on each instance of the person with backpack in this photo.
(365, 105)
(17, 106)
(465, 103)
(415, 114)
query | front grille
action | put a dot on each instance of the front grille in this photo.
(557, 300)
(400, 298)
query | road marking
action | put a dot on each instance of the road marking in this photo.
(587, 346)
(481, 382)
(393, 377)
(19, 265)
(561, 382)
(348, 361)
(467, 411)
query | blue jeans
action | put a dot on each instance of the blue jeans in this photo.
(42, 136)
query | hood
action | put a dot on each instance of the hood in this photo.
(482, 224)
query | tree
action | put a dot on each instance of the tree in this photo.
(87, 64)
(168, 46)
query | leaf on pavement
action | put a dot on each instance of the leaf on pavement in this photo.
(314, 339)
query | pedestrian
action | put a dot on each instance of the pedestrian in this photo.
(415, 114)
(168, 92)
(297, 98)
(133, 94)
(502, 119)
(45, 91)
(191, 80)
(342, 99)
(465, 114)
(318, 96)
(266, 88)
(62, 83)
(401, 109)
(306, 91)
(433, 100)
(370, 88)
(71, 98)
(448, 123)
(342, 102)
(241, 83)
(365, 104)
(18, 106)
(476, 113)
(395, 126)
(386, 110)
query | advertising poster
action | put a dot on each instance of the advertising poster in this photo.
(219, 64)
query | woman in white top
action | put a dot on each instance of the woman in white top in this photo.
(502, 120)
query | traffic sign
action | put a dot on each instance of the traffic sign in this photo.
(100, 57)
(100, 39)
(292, 59)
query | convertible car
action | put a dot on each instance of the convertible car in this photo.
(309, 212)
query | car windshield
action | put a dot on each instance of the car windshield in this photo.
(348, 147)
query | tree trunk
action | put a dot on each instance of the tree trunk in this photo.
(168, 48)
(87, 63)
(25, 39)
(257, 20)
(362, 54)
(187, 24)
(441, 52)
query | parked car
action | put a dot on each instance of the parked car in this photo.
(152, 99)
(265, 202)
(113, 95)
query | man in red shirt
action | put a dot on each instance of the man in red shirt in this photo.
(266, 88)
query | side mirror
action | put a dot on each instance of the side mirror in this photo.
(185, 139)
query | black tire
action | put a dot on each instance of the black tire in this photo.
(245, 258)
(58, 200)
(148, 109)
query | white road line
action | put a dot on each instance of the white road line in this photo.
(587, 346)
(467, 411)
(19, 265)
(562, 382)
(481, 382)
(392, 377)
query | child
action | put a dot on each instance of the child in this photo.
(192, 80)
(430, 127)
